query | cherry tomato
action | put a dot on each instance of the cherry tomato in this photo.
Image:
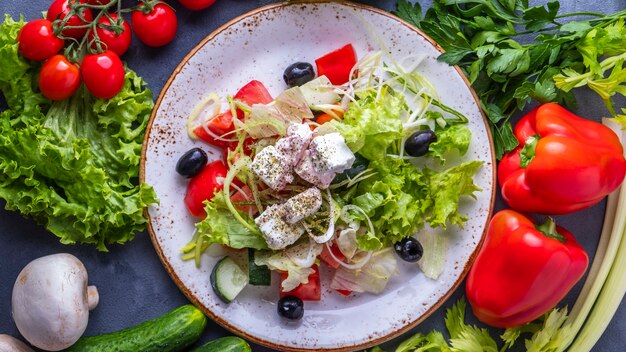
(37, 41)
(58, 79)
(204, 186)
(195, 5)
(156, 27)
(116, 43)
(103, 74)
(61, 8)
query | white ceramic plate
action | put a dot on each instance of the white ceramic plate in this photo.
(259, 45)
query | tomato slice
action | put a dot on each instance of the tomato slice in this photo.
(336, 65)
(247, 145)
(254, 92)
(344, 292)
(311, 291)
(220, 125)
(327, 258)
(204, 186)
(244, 196)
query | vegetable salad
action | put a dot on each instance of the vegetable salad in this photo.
(341, 168)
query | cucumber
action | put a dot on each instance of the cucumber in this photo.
(173, 331)
(259, 275)
(227, 279)
(225, 344)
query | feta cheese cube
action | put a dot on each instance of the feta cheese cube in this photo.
(303, 205)
(276, 231)
(273, 167)
(325, 157)
(295, 143)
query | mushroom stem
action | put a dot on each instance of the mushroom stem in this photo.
(92, 297)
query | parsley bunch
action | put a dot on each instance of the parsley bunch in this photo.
(487, 39)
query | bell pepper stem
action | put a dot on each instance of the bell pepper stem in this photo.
(548, 228)
(527, 154)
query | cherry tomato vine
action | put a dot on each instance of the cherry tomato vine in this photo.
(92, 35)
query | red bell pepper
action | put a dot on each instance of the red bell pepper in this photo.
(522, 270)
(336, 65)
(564, 163)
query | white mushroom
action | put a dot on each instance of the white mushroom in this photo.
(11, 344)
(51, 301)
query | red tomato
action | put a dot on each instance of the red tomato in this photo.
(254, 92)
(220, 125)
(103, 74)
(196, 5)
(37, 41)
(116, 43)
(336, 65)
(203, 187)
(60, 8)
(247, 145)
(154, 27)
(344, 292)
(245, 196)
(58, 79)
(311, 291)
(327, 258)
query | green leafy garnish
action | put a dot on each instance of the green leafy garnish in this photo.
(487, 39)
(547, 334)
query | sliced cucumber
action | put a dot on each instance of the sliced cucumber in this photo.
(227, 279)
(260, 275)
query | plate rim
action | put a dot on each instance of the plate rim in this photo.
(224, 323)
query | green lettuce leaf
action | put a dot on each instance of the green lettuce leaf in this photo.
(371, 126)
(221, 227)
(72, 165)
(453, 137)
(395, 199)
(446, 188)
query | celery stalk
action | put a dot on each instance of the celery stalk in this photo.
(605, 286)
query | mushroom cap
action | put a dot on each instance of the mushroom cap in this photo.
(11, 344)
(50, 301)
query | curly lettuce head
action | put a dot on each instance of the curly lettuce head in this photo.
(72, 165)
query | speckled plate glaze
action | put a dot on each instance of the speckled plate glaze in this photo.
(259, 45)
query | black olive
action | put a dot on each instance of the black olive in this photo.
(409, 249)
(417, 144)
(291, 307)
(192, 162)
(298, 74)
